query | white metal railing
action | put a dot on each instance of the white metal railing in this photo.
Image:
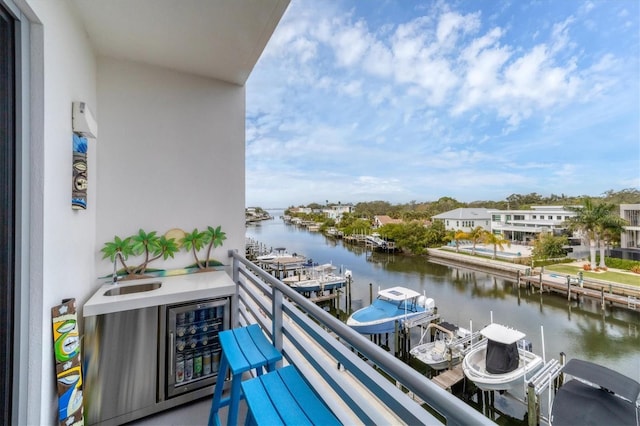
(343, 366)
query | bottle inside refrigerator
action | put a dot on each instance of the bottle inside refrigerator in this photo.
(192, 352)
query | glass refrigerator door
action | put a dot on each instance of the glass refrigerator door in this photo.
(193, 349)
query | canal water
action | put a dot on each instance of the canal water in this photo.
(463, 296)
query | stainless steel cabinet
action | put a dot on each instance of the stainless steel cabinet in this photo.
(130, 359)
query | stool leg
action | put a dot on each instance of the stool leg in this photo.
(217, 393)
(232, 416)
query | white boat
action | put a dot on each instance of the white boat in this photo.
(276, 253)
(447, 349)
(596, 395)
(280, 259)
(391, 305)
(375, 240)
(498, 362)
(317, 278)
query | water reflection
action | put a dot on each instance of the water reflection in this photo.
(580, 329)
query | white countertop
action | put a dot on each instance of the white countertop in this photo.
(174, 289)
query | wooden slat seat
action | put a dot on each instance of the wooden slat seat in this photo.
(243, 349)
(283, 397)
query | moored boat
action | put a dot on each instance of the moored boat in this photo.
(596, 395)
(317, 278)
(391, 305)
(499, 362)
(280, 260)
(447, 349)
(274, 255)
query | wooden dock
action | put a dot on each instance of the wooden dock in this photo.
(447, 379)
(616, 295)
(324, 297)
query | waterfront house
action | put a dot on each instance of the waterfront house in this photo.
(336, 212)
(630, 238)
(465, 219)
(525, 225)
(631, 235)
(381, 220)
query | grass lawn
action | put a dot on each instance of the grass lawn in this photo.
(616, 277)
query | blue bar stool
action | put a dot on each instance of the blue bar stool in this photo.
(243, 349)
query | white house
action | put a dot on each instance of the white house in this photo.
(465, 219)
(335, 212)
(164, 80)
(525, 225)
(631, 235)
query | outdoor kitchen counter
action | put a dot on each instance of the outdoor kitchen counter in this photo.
(174, 289)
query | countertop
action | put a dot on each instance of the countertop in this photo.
(174, 289)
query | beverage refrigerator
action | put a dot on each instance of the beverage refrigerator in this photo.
(191, 352)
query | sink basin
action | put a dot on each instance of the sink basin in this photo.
(130, 289)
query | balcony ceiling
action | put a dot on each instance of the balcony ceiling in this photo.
(221, 39)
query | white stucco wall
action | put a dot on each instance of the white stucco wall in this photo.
(170, 155)
(62, 240)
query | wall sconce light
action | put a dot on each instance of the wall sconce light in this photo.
(84, 123)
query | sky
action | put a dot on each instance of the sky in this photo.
(400, 101)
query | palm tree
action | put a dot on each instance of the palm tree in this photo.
(476, 235)
(496, 240)
(609, 227)
(587, 219)
(456, 236)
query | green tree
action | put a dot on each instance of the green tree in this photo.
(456, 236)
(476, 235)
(586, 221)
(435, 236)
(359, 226)
(609, 228)
(496, 240)
(548, 246)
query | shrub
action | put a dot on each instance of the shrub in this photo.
(626, 264)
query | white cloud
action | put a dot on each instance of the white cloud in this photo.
(350, 44)
(360, 103)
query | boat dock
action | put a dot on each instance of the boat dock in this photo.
(448, 378)
(613, 294)
(371, 242)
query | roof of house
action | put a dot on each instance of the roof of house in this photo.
(465, 214)
(385, 220)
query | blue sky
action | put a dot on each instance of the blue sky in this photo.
(415, 100)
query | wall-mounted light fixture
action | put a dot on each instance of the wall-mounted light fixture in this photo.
(84, 123)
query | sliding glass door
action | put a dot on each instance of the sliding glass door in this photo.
(7, 210)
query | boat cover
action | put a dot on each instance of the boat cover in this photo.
(451, 327)
(502, 334)
(577, 403)
(398, 293)
(501, 358)
(604, 377)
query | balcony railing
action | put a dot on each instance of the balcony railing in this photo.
(359, 381)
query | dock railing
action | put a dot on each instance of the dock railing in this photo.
(359, 381)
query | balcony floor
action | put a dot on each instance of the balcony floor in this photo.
(195, 413)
